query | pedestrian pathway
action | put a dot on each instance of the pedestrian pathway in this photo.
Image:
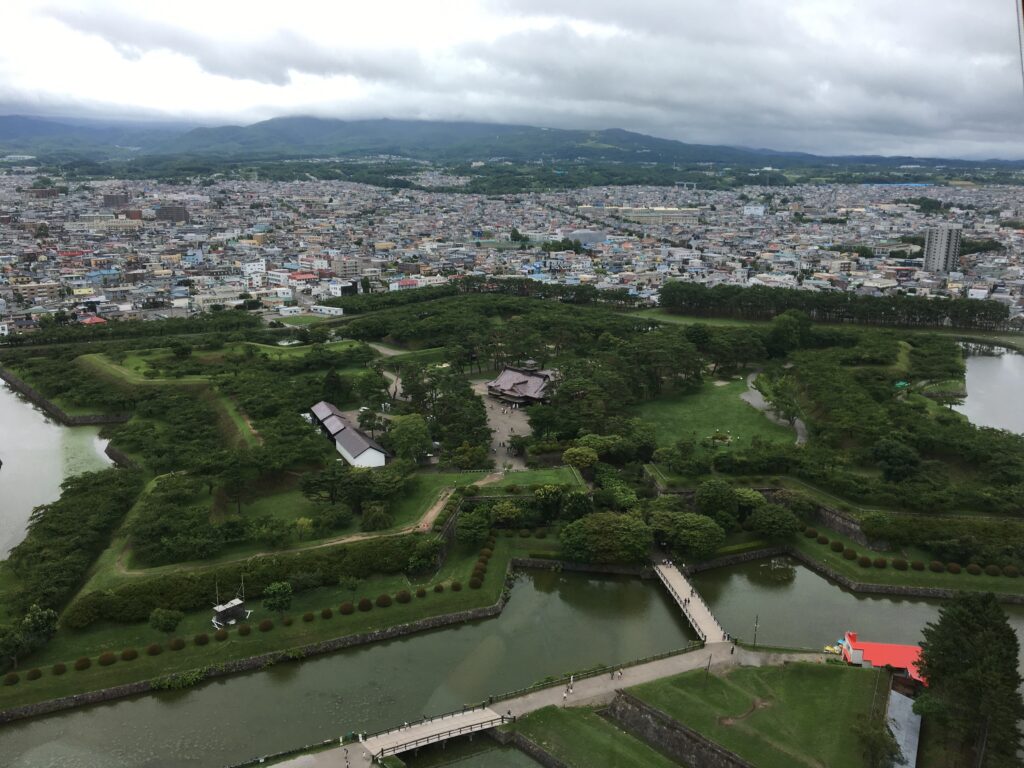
(589, 691)
(689, 600)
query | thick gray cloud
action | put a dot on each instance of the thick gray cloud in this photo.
(926, 77)
(271, 59)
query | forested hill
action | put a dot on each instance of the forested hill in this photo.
(296, 137)
(450, 141)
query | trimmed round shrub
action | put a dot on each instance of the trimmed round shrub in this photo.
(481, 564)
(346, 609)
(201, 639)
(365, 604)
(525, 533)
(83, 663)
(992, 570)
(59, 668)
(486, 552)
(154, 649)
(383, 601)
(541, 533)
(850, 554)
(508, 533)
(899, 564)
(11, 678)
(917, 565)
(811, 533)
(265, 625)
(287, 621)
(456, 586)
(953, 568)
(403, 596)
(936, 567)
(974, 569)
(864, 561)
(308, 616)
(837, 546)
(177, 643)
(34, 674)
(421, 592)
(439, 587)
(880, 562)
(129, 654)
(492, 540)
(822, 539)
(107, 658)
(1011, 571)
(475, 583)
(220, 635)
(326, 613)
(244, 629)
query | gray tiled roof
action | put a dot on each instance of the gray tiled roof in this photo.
(349, 437)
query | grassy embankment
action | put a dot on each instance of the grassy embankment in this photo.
(851, 569)
(776, 717)
(581, 738)
(424, 490)
(716, 409)
(68, 645)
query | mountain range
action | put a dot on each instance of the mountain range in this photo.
(450, 142)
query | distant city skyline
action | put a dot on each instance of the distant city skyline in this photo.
(937, 78)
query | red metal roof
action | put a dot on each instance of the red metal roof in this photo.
(881, 654)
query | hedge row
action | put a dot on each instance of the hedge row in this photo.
(901, 565)
(134, 600)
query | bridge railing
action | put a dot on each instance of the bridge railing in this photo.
(597, 671)
(681, 602)
(441, 736)
(422, 720)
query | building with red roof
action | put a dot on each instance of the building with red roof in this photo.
(899, 657)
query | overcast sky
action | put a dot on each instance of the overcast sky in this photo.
(924, 77)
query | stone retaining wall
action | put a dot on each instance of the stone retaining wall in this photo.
(544, 564)
(739, 557)
(55, 411)
(526, 746)
(846, 582)
(258, 662)
(887, 589)
(119, 457)
(667, 735)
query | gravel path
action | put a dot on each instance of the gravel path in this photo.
(756, 399)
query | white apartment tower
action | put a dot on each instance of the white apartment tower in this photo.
(942, 249)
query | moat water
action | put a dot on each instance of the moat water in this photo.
(38, 454)
(554, 623)
(995, 390)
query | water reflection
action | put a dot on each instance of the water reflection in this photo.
(995, 388)
(554, 623)
(37, 454)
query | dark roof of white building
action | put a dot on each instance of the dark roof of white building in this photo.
(347, 435)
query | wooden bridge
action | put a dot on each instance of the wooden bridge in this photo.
(692, 604)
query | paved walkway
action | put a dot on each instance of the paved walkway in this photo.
(505, 422)
(591, 691)
(756, 399)
(432, 731)
(692, 604)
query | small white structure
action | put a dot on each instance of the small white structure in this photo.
(323, 309)
(358, 449)
(289, 311)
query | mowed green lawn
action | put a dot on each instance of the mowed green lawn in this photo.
(581, 738)
(711, 409)
(68, 645)
(775, 717)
